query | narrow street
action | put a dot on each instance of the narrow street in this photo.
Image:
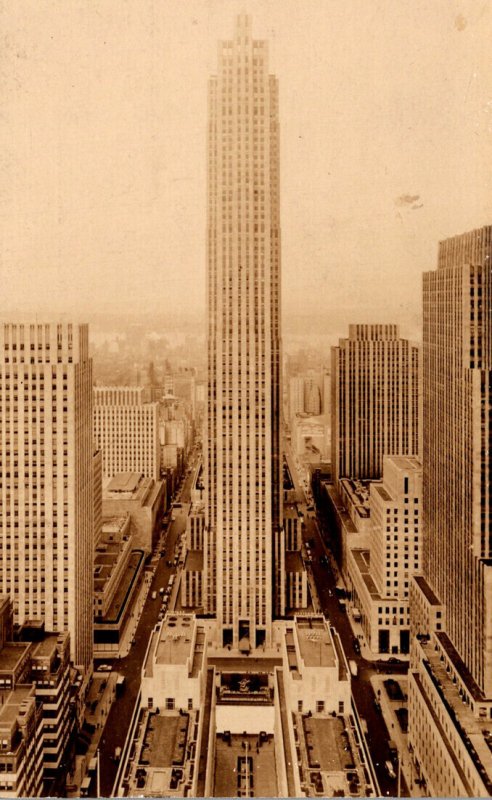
(316, 532)
(120, 716)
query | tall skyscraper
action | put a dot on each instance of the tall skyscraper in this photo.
(243, 510)
(457, 461)
(451, 601)
(46, 478)
(375, 400)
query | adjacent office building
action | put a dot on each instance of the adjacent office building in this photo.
(375, 400)
(242, 452)
(126, 429)
(46, 478)
(450, 684)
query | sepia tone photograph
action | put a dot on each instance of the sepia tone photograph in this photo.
(246, 398)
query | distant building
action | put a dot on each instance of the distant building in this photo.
(46, 478)
(450, 681)
(375, 378)
(126, 430)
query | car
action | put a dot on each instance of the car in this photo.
(356, 645)
(377, 705)
(104, 668)
(394, 660)
(390, 769)
(154, 595)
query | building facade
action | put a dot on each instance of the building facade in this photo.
(375, 379)
(46, 478)
(126, 429)
(242, 452)
(450, 683)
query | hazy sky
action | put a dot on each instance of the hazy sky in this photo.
(386, 147)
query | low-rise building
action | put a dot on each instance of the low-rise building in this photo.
(140, 497)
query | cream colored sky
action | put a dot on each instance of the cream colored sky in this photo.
(386, 147)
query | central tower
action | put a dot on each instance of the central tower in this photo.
(243, 545)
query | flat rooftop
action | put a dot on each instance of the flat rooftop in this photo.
(11, 653)
(12, 701)
(161, 758)
(124, 482)
(362, 560)
(358, 493)
(241, 762)
(194, 561)
(293, 562)
(315, 642)
(47, 646)
(384, 495)
(174, 645)
(426, 590)
(325, 743)
(124, 586)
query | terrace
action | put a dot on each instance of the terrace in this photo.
(245, 766)
(162, 755)
(328, 757)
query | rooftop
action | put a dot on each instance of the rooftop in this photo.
(11, 654)
(328, 756)
(362, 560)
(315, 642)
(426, 590)
(244, 766)
(293, 561)
(194, 561)
(124, 586)
(174, 644)
(161, 758)
(124, 482)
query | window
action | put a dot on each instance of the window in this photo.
(170, 703)
(320, 706)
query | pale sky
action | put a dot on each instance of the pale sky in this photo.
(386, 148)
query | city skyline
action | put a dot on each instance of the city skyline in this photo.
(105, 164)
(232, 568)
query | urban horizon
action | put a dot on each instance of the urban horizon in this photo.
(246, 544)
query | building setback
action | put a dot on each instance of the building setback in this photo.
(242, 452)
(375, 400)
(46, 478)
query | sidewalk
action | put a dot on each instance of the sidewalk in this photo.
(388, 710)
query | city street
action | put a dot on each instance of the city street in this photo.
(362, 690)
(120, 715)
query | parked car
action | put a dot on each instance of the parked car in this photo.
(356, 645)
(390, 769)
(154, 595)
